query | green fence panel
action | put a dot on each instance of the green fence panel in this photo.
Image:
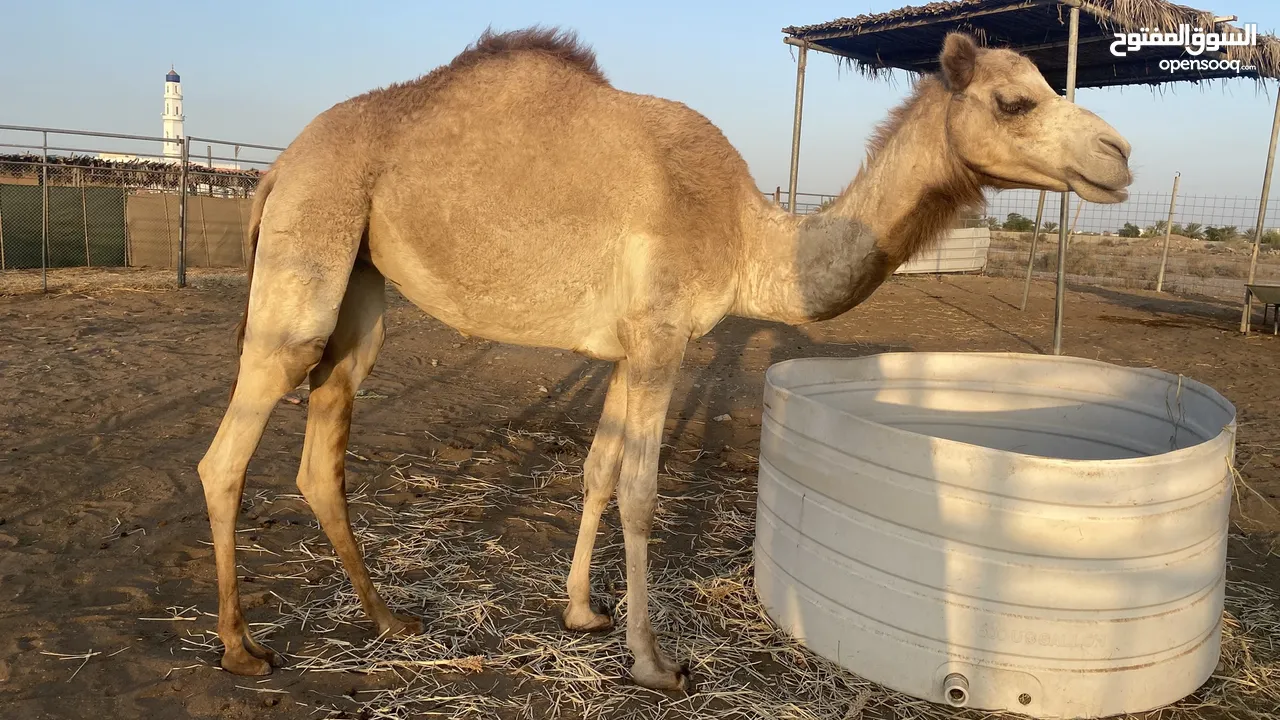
(106, 226)
(66, 228)
(75, 214)
(20, 225)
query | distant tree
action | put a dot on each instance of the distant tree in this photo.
(1050, 227)
(992, 223)
(1130, 231)
(1018, 223)
(1221, 234)
(1269, 237)
(1193, 230)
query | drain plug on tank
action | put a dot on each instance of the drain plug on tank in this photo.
(955, 688)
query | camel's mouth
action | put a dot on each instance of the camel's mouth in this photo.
(1097, 190)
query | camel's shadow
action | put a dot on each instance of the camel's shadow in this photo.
(730, 381)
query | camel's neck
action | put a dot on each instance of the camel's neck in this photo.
(912, 188)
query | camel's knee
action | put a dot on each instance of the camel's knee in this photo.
(346, 363)
(219, 482)
(275, 368)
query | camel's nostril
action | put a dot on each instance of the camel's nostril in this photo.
(1115, 145)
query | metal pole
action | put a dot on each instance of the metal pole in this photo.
(1075, 222)
(44, 214)
(1168, 230)
(124, 207)
(1262, 218)
(182, 214)
(1073, 42)
(1031, 259)
(777, 195)
(795, 129)
(84, 215)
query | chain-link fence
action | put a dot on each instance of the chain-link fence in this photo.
(1184, 244)
(806, 203)
(77, 199)
(1208, 250)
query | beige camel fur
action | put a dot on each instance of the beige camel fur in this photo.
(515, 195)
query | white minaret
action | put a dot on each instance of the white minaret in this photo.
(173, 116)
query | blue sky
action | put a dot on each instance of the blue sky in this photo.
(259, 71)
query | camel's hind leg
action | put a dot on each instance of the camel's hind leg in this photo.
(348, 359)
(266, 374)
(303, 261)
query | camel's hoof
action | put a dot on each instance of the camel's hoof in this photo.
(262, 652)
(588, 621)
(242, 663)
(402, 626)
(657, 677)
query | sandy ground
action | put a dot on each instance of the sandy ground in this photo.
(110, 397)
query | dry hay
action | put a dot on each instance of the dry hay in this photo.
(494, 646)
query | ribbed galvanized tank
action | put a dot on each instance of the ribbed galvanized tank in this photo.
(1037, 534)
(960, 250)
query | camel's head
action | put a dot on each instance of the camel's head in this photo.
(1008, 125)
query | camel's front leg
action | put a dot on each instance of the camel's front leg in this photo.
(650, 380)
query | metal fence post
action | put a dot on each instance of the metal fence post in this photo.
(1031, 259)
(84, 215)
(44, 214)
(124, 210)
(795, 129)
(1168, 230)
(182, 214)
(1247, 310)
(1073, 42)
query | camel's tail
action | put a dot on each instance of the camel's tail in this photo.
(251, 249)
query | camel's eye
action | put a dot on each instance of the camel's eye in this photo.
(1020, 106)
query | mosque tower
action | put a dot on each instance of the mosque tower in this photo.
(173, 116)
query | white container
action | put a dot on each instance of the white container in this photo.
(960, 250)
(1037, 534)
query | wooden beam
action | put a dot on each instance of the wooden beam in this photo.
(1063, 43)
(833, 51)
(930, 60)
(933, 20)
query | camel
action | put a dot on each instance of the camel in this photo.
(515, 195)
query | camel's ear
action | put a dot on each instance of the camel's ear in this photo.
(959, 57)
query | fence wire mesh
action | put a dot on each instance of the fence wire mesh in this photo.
(122, 202)
(1210, 240)
(78, 199)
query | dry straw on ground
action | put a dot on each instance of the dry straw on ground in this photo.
(494, 646)
(82, 280)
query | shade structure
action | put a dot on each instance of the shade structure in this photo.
(1075, 43)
